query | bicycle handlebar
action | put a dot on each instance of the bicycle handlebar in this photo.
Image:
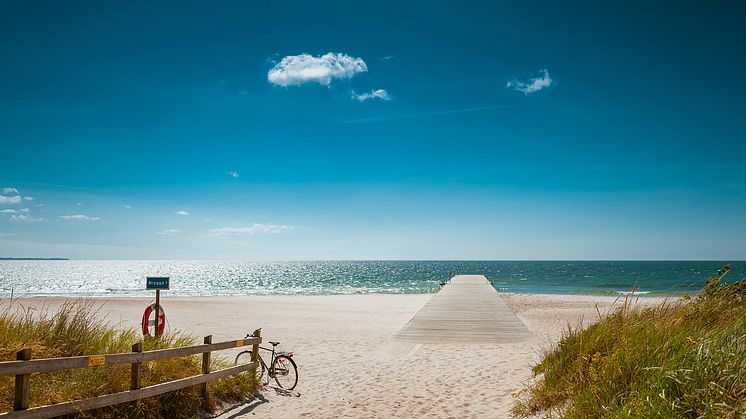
(248, 335)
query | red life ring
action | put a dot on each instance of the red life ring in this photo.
(146, 322)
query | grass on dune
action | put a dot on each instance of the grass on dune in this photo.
(75, 329)
(678, 360)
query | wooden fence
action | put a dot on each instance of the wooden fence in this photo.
(24, 366)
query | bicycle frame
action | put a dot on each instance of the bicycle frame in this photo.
(271, 360)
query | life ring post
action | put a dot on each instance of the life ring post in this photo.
(156, 283)
(157, 310)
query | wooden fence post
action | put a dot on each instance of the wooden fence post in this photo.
(255, 352)
(136, 370)
(206, 370)
(20, 402)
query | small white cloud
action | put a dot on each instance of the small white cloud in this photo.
(295, 70)
(79, 204)
(388, 57)
(128, 206)
(268, 228)
(78, 217)
(24, 210)
(28, 198)
(10, 199)
(182, 212)
(233, 173)
(7, 234)
(535, 84)
(25, 218)
(169, 231)
(7, 211)
(10, 190)
(373, 94)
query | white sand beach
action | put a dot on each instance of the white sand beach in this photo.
(349, 366)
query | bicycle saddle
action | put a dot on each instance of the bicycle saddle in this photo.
(274, 343)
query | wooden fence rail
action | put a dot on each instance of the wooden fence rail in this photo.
(24, 366)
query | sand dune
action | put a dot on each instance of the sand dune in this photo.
(350, 366)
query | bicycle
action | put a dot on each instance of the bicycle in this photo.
(283, 368)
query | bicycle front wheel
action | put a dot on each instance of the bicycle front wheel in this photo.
(285, 372)
(261, 370)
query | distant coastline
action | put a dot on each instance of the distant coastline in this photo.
(34, 259)
(214, 278)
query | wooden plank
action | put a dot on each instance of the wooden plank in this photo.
(74, 362)
(467, 309)
(67, 408)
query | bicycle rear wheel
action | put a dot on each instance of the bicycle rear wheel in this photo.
(261, 370)
(285, 372)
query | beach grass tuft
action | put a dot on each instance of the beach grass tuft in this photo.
(682, 358)
(76, 329)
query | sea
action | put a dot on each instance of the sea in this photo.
(82, 278)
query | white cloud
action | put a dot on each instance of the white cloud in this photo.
(78, 217)
(182, 212)
(169, 231)
(388, 57)
(10, 190)
(10, 199)
(128, 206)
(233, 173)
(22, 217)
(268, 228)
(12, 211)
(28, 198)
(295, 70)
(373, 94)
(533, 85)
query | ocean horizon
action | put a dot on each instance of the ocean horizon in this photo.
(120, 278)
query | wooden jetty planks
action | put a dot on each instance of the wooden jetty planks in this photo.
(467, 310)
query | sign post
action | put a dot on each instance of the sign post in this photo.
(157, 283)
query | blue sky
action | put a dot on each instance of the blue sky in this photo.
(404, 130)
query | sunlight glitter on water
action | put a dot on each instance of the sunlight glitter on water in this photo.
(192, 278)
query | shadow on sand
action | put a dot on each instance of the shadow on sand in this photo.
(286, 393)
(245, 409)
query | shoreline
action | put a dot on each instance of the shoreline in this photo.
(348, 363)
(599, 294)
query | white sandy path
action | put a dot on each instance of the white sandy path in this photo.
(349, 365)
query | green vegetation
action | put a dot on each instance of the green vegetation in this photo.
(75, 330)
(680, 359)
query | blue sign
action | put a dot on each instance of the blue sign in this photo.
(157, 283)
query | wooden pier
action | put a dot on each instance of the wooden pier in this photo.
(467, 310)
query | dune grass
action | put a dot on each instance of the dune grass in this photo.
(681, 359)
(75, 329)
